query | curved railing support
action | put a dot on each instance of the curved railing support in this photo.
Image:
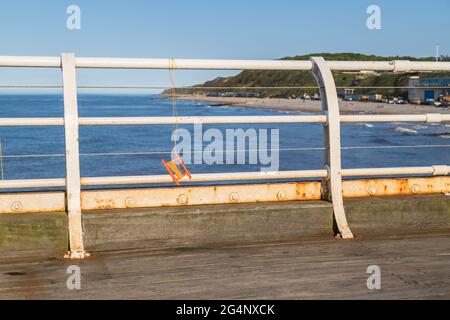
(332, 184)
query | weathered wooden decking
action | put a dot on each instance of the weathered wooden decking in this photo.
(415, 266)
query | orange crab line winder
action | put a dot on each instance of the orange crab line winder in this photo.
(177, 169)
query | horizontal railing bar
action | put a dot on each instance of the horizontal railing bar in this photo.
(386, 171)
(110, 121)
(397, 65)
(232, 176)
(30, 62)
(19, 122)
(203, 120)
(220, 64)
(32, 183)
(198, 64)
(229, 176)
(25, 86)
(257, 119)
(137, 87)
(192, 64)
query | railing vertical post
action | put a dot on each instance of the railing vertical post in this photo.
(332, 185)
(73, 184)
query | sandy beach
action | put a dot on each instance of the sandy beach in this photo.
(346, 107)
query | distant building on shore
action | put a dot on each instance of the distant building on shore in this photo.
(428, 89)
(349, 91)
(234, 94)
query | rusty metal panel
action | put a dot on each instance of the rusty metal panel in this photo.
(32, 202)
(160, 197)
(394, 187)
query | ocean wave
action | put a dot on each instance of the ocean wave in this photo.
(444, 136)
(367, 125)
(420, 127)
(438, 132)
(405, 130)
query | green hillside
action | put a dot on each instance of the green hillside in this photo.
(249, 79)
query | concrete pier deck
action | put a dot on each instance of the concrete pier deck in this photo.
(412, 267)
(243, 251)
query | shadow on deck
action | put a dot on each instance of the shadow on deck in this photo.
(412, 267)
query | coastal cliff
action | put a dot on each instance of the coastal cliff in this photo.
(247, 79)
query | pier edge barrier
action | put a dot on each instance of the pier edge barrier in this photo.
(332, 184)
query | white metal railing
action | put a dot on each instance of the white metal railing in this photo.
(332, 173)
(113, 121)
(217, 64)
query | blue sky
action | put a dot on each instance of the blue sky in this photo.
(232, 29)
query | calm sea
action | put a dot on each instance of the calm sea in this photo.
(37, 152)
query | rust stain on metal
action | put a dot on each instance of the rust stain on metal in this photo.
(308, 191)
(395, 187)
(103, 204)
(223, 194)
